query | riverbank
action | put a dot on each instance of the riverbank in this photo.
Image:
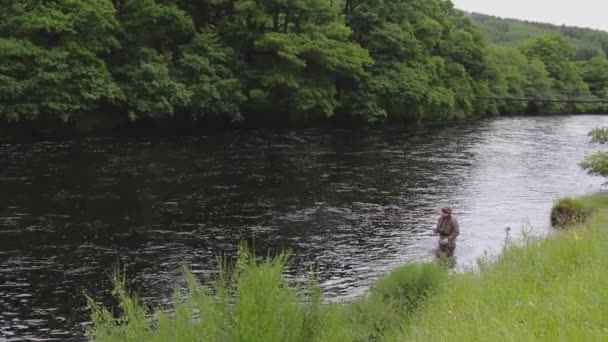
(541, 289)
(545, 290)
(28, 131)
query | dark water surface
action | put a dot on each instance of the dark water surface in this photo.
(352, 204)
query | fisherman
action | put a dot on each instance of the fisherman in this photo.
(448, 230)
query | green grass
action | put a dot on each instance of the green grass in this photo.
(553, 289)
(594, 202)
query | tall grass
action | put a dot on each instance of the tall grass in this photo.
(254, 303)
(391, 301)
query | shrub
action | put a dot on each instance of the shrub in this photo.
(409, 285)
(392, 300)
(569, 211)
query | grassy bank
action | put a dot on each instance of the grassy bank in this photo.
(550, 289)
(543, 289)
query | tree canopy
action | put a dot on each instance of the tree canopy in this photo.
(276, 62)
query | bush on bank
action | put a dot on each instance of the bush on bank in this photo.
(570, 211)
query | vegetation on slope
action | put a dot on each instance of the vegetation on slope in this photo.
(589, 43)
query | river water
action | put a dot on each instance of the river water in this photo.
(351, 204)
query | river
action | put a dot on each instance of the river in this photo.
(353, 204)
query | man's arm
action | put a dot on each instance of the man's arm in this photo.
(436, 230)
(455, 230)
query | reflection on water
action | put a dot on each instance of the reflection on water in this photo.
(350, 204)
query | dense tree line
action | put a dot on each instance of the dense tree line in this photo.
(272, 62)
(512, 32)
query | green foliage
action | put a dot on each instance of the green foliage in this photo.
(553, 49)
(513, 75)
(426, 57)
(595, 73)
(82, 25)
(409, 286)
(205, 67)
(250, 304)
(556, 53)
(156, 24)
(296, 54)
(569, 211)
(511, 32)
(278, 62)
(152, 90)
(393, 299)
(51, 58)
(597, 163)
(599, 135)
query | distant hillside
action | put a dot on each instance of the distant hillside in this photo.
(512, 32)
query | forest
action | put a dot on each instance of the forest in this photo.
(588, 42)
(113, 63)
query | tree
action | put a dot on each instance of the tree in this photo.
(205, 69)
(150, 88)
(514, 75)
(512, 33)
(595, 73)
(427, 58)
(556, 54)
(294, 55)
(52, 58)
(280, 62)
(145, 65)
(597, 163)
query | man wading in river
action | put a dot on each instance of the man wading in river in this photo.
(448, 230)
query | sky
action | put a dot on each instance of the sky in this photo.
(584, 13)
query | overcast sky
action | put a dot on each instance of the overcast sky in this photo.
(585, 13)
